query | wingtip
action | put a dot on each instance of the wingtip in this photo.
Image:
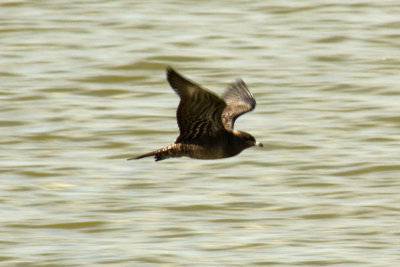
(169, 70)
(178, 82)
(241, 83)
(170, 73)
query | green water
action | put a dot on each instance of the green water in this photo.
(83, 88)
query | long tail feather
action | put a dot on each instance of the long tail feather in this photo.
(144, 155)
(163, 153)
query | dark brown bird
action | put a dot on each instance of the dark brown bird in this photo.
(206, 121)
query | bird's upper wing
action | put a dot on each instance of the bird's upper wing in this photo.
(199, 113)
(239, 100)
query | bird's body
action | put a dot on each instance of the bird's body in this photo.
(206, 121)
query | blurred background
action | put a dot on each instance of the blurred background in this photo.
(83, 88)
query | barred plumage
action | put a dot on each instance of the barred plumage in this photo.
(206, 121)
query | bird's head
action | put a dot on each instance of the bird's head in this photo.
(247, 139)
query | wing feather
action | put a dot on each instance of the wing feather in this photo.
(239, 100)
(199, 113)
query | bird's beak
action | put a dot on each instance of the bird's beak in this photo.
(259, 144)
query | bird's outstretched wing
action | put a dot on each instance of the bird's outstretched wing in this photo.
(199, 113)
(239, 100)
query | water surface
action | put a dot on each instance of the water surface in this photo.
(83, 88)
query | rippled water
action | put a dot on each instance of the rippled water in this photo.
(83, 88)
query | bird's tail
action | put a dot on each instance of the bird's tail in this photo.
(163, 153)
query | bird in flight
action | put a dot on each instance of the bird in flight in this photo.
(206, 121)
